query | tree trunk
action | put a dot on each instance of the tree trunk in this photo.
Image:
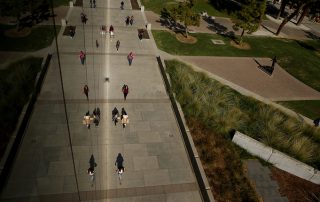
(242, 33)
(282, 8)
(287, 19)
(303, 14)
(186, 30)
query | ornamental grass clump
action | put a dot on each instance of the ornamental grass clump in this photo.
(222, 109)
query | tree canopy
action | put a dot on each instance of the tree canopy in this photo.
(183, 13)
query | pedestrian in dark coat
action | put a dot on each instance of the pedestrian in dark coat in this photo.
(131, 20)
(125, 90)
(115, 115)
(117, 45)
(127, 20)
(86, 91)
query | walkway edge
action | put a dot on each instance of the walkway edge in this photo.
(192, 152)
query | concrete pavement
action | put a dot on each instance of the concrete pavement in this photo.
(155, 158)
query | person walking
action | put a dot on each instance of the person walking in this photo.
(122, 5)
(115, 115)
(90, 3)
(91, 174)
(120, 167)
(111, 31)
(83, 18)
(118, 45)
(82, 57)
(127, 20)
(94, 4)
(130, 58)
(125, 90)
(96, 116)
(97, 44)
(124, 118)
(131, 20)
(86, 91)
(87, 120)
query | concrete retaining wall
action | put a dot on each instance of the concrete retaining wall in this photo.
(277, 158)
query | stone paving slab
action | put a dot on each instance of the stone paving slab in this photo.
(244, 72)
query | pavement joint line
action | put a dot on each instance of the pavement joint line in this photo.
(165, 100)
(115, 193)
(96, 53)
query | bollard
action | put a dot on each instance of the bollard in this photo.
(149, 26)
(142, 8)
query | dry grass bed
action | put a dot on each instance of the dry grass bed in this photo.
(295, 188)
(222, 165)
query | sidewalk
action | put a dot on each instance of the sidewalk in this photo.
(268, 28)
(155, 158)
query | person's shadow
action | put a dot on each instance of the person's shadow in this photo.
(265, 68)
(119, 160)
(92, 162)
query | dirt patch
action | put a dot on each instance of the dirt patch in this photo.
(222, 165)
(14, 33)
(295, 188)
(190, 39)
(243, 46)
(135, 5)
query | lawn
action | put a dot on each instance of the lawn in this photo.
(222, 109)
(300, 58)
(40, 37)
(57, 3)
(308, 108)
(17, 83)
(201, 5)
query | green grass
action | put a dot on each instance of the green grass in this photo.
(308, 108)
(201, 5)
(17, 83)
(222, 109)
(300, 59)
(40, 37)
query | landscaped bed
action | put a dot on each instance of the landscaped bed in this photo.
(212, 110)
(17, 83)
(222, 109)
(300, 59)
(39, 37)
(308, 108)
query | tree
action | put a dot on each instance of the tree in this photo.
(23, 8)
(300, 5)
(183, 13)
(282, 8)
(248, 18)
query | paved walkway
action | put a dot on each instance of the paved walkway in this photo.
(305, 31)
(260, 177)
(156, 162)
(244, 72)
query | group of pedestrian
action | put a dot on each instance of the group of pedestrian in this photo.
(123, 117)
(92, 118)
(129, 20)
(92, 3)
